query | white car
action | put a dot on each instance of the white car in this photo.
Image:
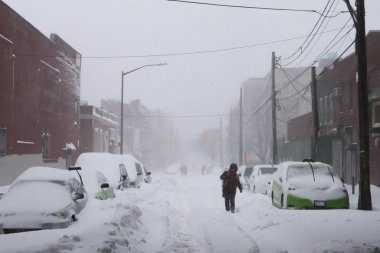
(261, 178)
(108, 164)
(41, 198)
(135, 169)
(245, 173)
(308, 185)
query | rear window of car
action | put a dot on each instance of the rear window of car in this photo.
(307, 170)
(267, 170)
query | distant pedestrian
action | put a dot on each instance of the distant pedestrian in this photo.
(230, 183)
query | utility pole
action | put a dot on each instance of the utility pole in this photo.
(241, 128)
(314, 152)
(274, 125)
(221, 145)
(364, 201)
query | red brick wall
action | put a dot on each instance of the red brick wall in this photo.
(44, 100)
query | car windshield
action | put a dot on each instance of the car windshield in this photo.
(295, 171)
(267, 170)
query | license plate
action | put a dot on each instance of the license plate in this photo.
(319, 203)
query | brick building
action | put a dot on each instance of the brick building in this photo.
(39, 98)
(338, 113)
(99, 130)
(338, 117)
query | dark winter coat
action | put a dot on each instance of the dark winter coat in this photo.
(230, 182)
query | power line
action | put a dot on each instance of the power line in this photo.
(291, 82)
(175, 54)
(312, 30)
(319, 36)
(258, 109)
(258, 8)
(319, 24)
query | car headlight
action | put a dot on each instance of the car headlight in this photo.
(61, 215)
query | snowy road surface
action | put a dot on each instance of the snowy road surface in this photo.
(186, 214)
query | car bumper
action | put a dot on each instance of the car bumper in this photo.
(304, 203)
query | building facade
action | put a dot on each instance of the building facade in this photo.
(99, 130)
(39, 98)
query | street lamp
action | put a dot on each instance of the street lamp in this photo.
(122, 98)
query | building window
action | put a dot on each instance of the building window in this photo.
(3, 141)
(46, 145)
(376, 114)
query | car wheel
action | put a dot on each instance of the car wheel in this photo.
(282, 202)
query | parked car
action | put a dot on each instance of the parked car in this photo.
(308, 185)
(94, 181)
(135, 170)
(245, 173)
(261, 178)
(108, 164)
(41, 198)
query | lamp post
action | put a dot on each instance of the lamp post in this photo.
(122, 98)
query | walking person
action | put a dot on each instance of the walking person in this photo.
(230, 183)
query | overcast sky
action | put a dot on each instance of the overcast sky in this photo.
(197, 84)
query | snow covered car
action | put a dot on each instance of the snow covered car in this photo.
(41, 198)
(107, 164)
(261, 178)
(134, 169)
(245, 173)
(308, 185)
(95, 182)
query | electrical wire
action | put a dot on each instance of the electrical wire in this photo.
(303, 43)
(258, 8)
(175, 54)
(319, 24)
(292, 84)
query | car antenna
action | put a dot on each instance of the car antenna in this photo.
(76, 169)
(309, 161)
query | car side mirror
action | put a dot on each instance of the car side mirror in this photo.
(78, 196)
(149, 173)
(139, 174)
(104, 185)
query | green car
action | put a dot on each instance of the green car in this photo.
(308, 185)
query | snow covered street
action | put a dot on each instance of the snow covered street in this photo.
(186, 214)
